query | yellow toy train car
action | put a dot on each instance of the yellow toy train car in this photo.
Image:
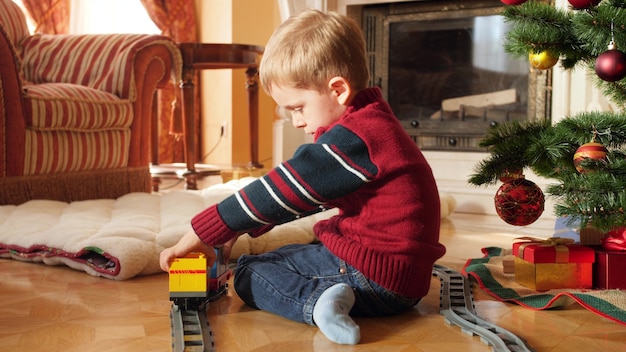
(192, 283)
(188, 276)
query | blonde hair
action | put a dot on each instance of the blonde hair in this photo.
(312, 47)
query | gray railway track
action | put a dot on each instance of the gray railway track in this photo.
(191, 331)
(457, 307)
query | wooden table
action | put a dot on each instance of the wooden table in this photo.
(202, 56)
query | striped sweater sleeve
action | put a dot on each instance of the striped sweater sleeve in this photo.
(336, 165)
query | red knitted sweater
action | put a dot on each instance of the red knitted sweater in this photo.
(367, 166)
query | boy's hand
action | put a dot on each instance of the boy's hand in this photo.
(227, 248)
(211, 257)
(190, 242)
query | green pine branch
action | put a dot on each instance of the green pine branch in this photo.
(597, 196)
(538, 26)
(507, 144)
(577, 37)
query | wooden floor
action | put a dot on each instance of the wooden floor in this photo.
(45, 308)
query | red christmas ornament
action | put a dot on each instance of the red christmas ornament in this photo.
(519, 202)
(591, 150)
(583, 4)
(513, 2)
(611, 64)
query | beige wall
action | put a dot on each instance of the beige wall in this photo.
(224, 96)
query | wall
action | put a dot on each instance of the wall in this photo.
(223, 92)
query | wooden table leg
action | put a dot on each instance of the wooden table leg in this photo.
(252, 86)
(189, 131)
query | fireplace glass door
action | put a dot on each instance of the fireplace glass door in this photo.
(445, 73)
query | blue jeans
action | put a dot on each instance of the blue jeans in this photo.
(289, 280)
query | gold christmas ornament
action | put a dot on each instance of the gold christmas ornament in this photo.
(542, 60)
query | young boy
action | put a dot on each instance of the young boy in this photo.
(375, 257)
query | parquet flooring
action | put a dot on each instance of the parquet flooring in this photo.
(46, 308)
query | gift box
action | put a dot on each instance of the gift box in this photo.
(508, 264)
(553, 263)
(609, 269)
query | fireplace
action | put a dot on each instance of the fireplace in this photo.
(442, 68)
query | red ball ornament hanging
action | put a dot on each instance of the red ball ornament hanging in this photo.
(611, 64)
(513, 2)
(591, 150)
(519, 202)
(583, 4)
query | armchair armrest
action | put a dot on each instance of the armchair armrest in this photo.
(12, 125)
(102, 61)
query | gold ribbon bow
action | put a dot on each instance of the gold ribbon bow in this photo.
(559, 244)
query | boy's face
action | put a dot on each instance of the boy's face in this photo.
(310, 109)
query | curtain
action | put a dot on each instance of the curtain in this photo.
(51, 16)
(176, 19)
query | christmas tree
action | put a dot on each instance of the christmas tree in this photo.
(584, 153)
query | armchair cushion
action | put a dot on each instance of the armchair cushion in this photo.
(53, 106)
(62, 118)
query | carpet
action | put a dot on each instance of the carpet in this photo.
(488, 273)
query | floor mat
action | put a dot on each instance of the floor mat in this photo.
(487, 272)
(123, 238)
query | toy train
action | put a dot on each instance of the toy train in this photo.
(193, 284)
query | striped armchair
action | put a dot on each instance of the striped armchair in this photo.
(76, 110)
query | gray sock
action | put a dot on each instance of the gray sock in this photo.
(331, 314)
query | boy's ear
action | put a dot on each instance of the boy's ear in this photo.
(340, 87)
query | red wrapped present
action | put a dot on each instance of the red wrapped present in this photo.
(546, 264)
(609, 269)
(610, 265)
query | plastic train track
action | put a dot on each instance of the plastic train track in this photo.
(457, 307)
(191, 331)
